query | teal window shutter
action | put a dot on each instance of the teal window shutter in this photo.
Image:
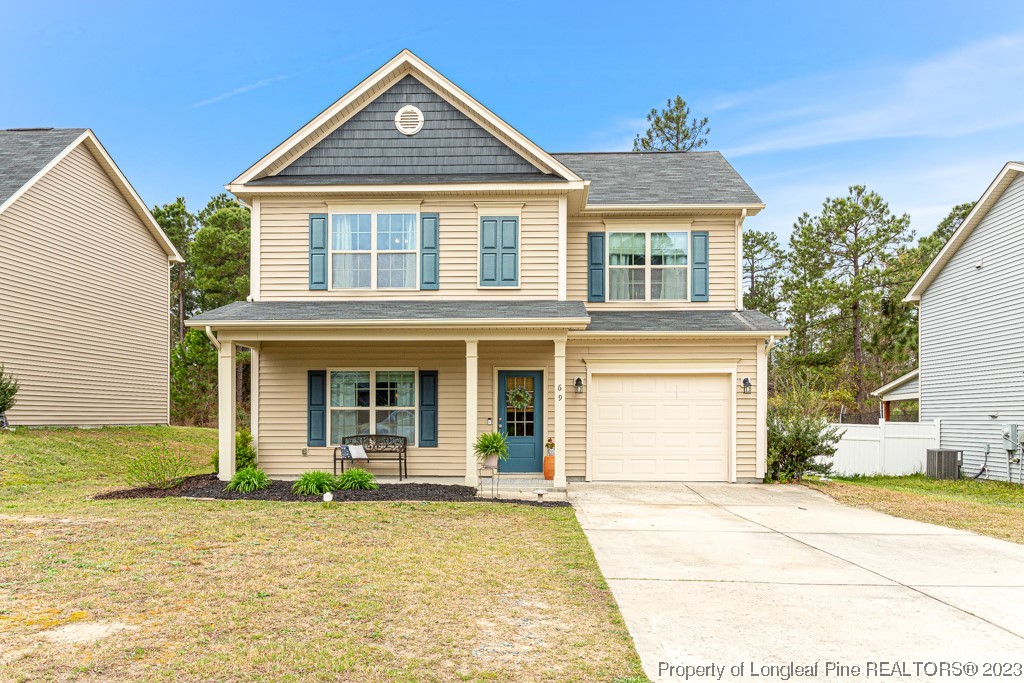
(499, 251)
(318, 251)
(428, 408)
(429, 252)
(595, 266)
(316, 408)
(699, 267)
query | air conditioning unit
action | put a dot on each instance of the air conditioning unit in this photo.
(943, 464)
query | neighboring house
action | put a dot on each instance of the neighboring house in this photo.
(971, 331)
(414, 258)
(903, 388)
(83, 285)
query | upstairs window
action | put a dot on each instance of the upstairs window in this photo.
(648, 265)
(374, 251)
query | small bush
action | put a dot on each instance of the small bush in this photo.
(795, 444)
(355, 479)
(314, 483)
(248, 479)
(160, 468)
(245, 454)
(8, 390)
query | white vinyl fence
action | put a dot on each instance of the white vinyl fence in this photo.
(893, 448)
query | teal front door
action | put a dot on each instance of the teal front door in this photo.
(524, 425)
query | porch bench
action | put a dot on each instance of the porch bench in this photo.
(378, 447)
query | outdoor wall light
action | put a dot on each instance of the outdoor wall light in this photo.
(746, 385)
(578, 385)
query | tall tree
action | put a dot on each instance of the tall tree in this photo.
(672, 129)
(930, 245)
(762, 272)
(851, 241)
(220, 256)
(179, 225)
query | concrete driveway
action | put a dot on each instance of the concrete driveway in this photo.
(765, 576)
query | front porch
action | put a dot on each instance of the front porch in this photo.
(378, 383)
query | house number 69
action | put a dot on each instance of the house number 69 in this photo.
(559, 392)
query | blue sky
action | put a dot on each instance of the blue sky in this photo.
(921, 101)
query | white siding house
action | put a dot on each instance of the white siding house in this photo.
(972, 331)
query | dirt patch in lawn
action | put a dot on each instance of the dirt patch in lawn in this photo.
(208, 486)
(1006, 523)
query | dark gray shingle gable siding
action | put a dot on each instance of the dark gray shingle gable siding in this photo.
(23, 153)
(370, 144)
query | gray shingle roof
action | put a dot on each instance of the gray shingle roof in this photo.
(405, 179)
(659, 178)
(425, 309)
(24, 152)
(682, 321)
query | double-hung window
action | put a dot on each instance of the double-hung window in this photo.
(374, 251)
(648, 265)
(372, 402)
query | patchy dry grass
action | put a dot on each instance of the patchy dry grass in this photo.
(239, 591)
(991, 508)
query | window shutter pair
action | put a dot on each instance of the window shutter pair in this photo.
(316, 408)
(596, 267)
(429, 251)
(499, 251)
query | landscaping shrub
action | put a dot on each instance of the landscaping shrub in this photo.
(245, 453)
(800, 437)
(355, 479)
(314, 483)
(159, 468)
(8, 390)
(248, 479)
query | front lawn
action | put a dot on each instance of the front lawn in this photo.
(248, 590)
(992, 508)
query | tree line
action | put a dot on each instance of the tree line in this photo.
(214, 243)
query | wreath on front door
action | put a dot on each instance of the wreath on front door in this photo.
(518, 398)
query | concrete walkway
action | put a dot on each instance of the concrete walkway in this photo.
(724, 575)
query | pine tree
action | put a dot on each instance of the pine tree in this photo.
(672, 129)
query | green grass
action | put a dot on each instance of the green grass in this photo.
(51, 456)
(997, 493)
(991, 508)
(251, 591)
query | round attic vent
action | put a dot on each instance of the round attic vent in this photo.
(409, 120)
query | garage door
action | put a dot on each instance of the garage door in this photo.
(660, 427)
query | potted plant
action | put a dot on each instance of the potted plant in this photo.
(490, 447)
(549, 459)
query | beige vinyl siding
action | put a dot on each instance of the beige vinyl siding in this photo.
(630, 350)
(283, 386)
(284, 251)
(84, 318)
(282, 402)
(722, 274)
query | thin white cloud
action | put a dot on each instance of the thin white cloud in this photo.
(239, 90)
(965, 91)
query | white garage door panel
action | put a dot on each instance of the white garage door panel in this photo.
(660, 428)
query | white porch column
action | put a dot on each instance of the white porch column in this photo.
(226, 410)
(560, 380)
(472, 381)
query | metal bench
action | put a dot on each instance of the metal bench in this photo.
(378, 447)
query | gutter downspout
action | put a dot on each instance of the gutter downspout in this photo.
(213, 338)
(739, 261)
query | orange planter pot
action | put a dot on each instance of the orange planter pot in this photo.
(549, 467)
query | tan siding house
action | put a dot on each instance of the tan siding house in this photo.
(84, 276)
(416, 261)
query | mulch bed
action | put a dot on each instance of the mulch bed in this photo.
(208, 486)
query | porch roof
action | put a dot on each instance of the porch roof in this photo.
(423, 312)
(686, 322)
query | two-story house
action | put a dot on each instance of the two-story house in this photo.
(415, 258)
